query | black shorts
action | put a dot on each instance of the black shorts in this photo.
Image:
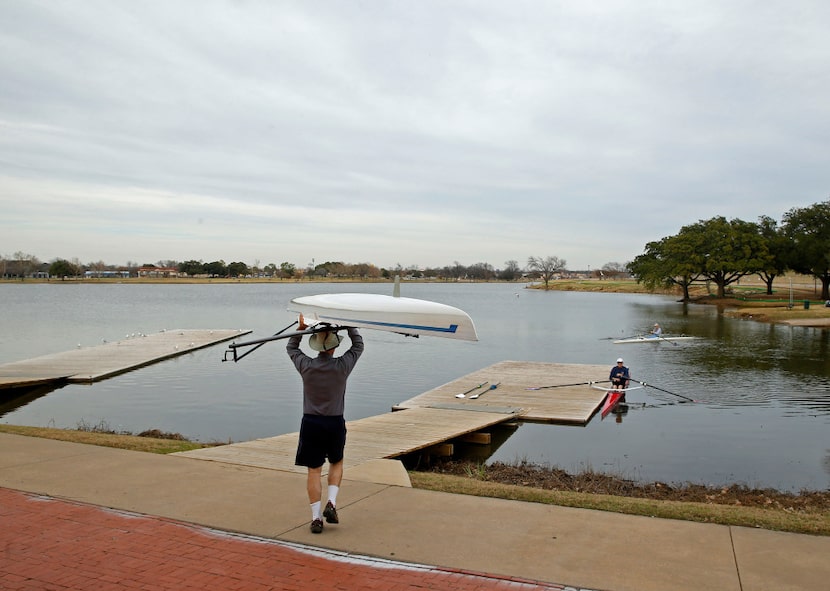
(321, 437)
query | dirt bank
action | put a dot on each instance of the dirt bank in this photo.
(525, 474)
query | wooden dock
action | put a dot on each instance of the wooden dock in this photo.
(91, 364)
(437, 417)
(563, 404)
(384, 436)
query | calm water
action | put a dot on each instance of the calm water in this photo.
(764, 420)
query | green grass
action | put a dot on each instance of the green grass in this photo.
(804, 522)
(107, 439)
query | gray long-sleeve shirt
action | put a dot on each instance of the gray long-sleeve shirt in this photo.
(324, 377)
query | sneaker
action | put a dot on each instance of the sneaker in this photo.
(330, 513)
(317, 526)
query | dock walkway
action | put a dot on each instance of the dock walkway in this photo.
(439, 416)
(386, 436)
(91, 364)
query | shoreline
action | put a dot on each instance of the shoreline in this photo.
(748, 301)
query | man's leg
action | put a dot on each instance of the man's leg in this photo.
(315, 492)
(334, 479)
(336, 473)
(314, 486)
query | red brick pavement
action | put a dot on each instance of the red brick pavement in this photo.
(56, 545)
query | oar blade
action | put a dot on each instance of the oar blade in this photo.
(645, 385)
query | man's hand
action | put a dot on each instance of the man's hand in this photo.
(301, 325)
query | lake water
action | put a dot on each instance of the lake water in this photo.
(763, 421)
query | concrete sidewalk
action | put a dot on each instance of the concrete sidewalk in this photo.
(503, 542)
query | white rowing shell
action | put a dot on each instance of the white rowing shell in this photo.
(652, 339)
(407, 316)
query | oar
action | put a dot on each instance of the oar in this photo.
(662, 390)
(618, 338)
(464, 394)
(667, 340)
(563, 385)
(477, 394)
(234, 346)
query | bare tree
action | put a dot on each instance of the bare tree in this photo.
(481, 271)
(98, 267)
(511, 271)
(26, 263)
(613, 270)
(546, 267)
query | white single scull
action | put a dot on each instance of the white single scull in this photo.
(652, 339)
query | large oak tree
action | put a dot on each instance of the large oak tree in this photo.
(717, 250)
(808, 229)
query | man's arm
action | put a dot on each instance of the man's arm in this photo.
(293, 349)
(356, 339)
(356, 350)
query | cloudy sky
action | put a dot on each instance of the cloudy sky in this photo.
(399, 132)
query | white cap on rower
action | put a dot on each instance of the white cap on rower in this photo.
(620, 360)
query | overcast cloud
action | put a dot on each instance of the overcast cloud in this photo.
(396, 132)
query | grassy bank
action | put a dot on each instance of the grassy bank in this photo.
(748, 301)
(605, 285)
(807, 520)
(157, 445)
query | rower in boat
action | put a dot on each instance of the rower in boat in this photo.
(620, 377)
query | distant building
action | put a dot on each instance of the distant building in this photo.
(108, 274)
(17, 269)
(158, 272)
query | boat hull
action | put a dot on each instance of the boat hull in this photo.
(611, 401)
(636, 340)
(407, 316)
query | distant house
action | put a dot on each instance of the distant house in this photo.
(158, 272)
(109, 274)
(17, 269)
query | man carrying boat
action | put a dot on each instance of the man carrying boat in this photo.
(323, 428)
(620, 377)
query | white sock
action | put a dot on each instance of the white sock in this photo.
(315, 510)
(333, 494)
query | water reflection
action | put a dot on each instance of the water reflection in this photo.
(468, 450)
(13, 398)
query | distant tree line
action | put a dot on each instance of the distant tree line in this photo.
(22, 265)
(716, 250)
(723, 251)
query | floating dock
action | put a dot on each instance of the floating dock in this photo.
(560, 404)
(91, 364)
(384, 436)
(438, 417)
